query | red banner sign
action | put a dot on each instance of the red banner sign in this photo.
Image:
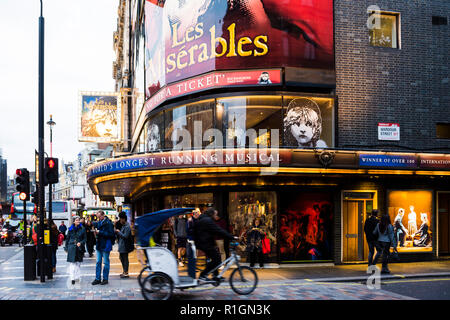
(214, 80)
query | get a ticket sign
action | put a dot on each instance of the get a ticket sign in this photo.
(186, 38)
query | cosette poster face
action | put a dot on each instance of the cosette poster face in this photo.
(410, 213)
(306, 227)
(185, 38)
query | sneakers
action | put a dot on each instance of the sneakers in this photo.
(180, 264)
(95, 282)
(124, 275)
(104, 282)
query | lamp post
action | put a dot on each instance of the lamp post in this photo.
(41, 146)
(50, 123)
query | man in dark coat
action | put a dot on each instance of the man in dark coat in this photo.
(105, 239)
(204, 231)
(370, 225)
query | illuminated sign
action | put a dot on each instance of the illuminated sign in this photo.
(189, 38)
(386, 160)
(262, 157)
(100, 117)
(215, 80)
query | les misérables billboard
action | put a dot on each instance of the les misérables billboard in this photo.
(185, 38)
(100, 117)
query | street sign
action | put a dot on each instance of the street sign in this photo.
(389, 131)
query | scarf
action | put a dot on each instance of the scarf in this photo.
(73, 227)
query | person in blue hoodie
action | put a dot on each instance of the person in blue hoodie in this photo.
(105, 240)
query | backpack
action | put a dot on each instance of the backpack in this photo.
(60, 239)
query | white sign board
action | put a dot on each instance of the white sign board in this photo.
(389, 131)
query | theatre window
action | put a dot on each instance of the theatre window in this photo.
(245, 208)
(411, 214)
(385, 30)
(443, 130)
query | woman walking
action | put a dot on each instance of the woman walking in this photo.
(384, 231)
(75, 242)
(254, 244)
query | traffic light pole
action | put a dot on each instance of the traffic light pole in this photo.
(24, 234)
(41, 148)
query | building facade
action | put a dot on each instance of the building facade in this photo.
(306, 119)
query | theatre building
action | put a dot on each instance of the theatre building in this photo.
(306, 115)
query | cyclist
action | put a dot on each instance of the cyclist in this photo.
(204, 231)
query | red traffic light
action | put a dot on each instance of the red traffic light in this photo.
(51, 163)
(22, 196)
(19, 172)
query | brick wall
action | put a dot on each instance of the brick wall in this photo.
(409, 86)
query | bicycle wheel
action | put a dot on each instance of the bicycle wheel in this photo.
(157, 286)
(243, 280)
(141, 275)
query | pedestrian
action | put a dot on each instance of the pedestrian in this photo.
(63, 228)
(180, 232)
(255, 237)
(76, 238)
(125, 243)
(54, 233)
(369, 226)
(105, 240)
(90, 238)
(384, 232)
(204, 231)
(220, 241)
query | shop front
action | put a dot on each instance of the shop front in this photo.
(312, 211)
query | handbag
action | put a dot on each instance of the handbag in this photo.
(265, 245)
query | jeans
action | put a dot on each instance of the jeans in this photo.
(54, 257)
(191, 261)
(124, 260)
(102, 255)
(372, 245)
(385, 249)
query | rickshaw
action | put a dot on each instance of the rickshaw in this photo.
(159, 276)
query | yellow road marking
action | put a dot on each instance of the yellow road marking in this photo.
(416, 280)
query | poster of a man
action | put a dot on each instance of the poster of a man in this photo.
(303, 124)
(264, 78)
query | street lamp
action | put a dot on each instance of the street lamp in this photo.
(50, 123)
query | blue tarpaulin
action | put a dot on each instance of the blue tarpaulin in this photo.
(148, 223)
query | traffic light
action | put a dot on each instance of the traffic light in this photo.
(51, 174)
(35, 197)
(23, 184)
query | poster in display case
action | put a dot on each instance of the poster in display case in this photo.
(410, 213)
(306, 227)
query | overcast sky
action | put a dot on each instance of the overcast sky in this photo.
(78, 57)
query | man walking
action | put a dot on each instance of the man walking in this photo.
(369, 226)
(105, 237)
(204, 231)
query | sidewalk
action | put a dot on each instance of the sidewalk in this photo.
(275, 282)
(356, 272)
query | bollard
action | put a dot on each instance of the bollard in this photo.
(47, 262)
(29, 262)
